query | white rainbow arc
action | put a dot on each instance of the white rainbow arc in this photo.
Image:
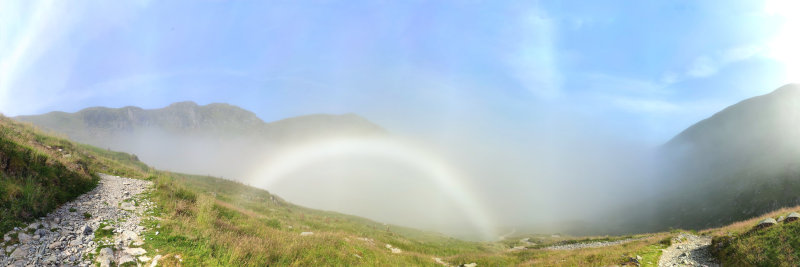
(283, 163)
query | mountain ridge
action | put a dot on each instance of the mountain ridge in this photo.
(187, 117)
(198, 139)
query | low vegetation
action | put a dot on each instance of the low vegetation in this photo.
(740, 244)
(209, 221)
(214, 222)
(39, 171)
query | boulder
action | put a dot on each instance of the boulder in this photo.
(86, 229)
(106, 253)
(135, 251)
(23, 238)
(41, 232)
(105, 257)
(51, 259)
(19, 253)
(127, 206)
(794, 216)
(128, 238)
(394, 249)
(766, 223)
(155, 261)
(124, 258)
(54, 245)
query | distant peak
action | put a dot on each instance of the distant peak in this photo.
(132, 108)
(183, 104)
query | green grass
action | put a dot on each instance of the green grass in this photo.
(778, 245)
(102, 233)
(241, 225)
(39, 172)
(215, 222)
(34, 176)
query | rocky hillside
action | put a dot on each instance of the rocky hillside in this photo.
(739, 163)
(216, 139)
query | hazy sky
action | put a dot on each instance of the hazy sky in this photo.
(638, 69)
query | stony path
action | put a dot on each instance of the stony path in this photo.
(688, 250)
(66, 236)
(593, 244)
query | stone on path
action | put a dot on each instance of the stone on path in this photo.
(135, 251)
(124, 258)
(65, 237)
(105, 257)
(155, 261)
(24, 238)
(20, 253)
(127, 206)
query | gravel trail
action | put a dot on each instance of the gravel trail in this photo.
(688, 250)
(593, 244)
(65, 237)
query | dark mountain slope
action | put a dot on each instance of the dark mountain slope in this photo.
(741, 162)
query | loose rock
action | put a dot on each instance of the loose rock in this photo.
(688, 249)
(73, 235)
(23, 238)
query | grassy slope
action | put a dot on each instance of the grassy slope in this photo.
(38, 172)
(211, 221)
(739, 244)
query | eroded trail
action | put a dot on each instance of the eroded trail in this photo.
(688, 250)
(66, 236)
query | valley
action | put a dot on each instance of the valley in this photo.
(202, 220)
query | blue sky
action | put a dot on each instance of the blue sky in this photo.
(640, 70)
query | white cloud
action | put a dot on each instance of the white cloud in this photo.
(741, 53)
(534, 61)
(628, 94)
(669, 78)
(709, 65)
(702, 66)
(645, 105)
(623, 85)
